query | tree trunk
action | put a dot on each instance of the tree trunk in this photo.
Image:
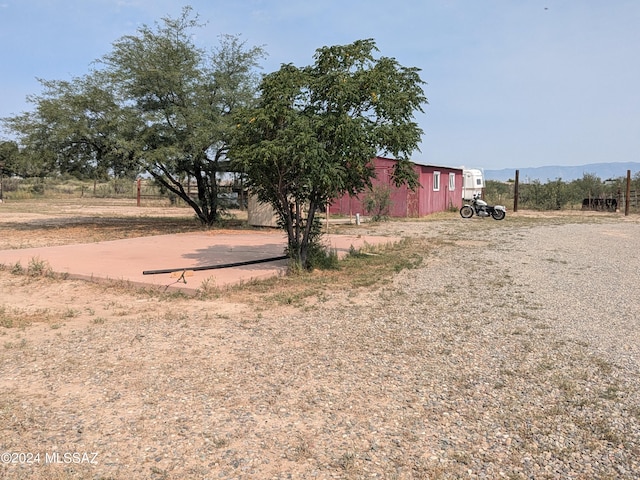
(206, 211)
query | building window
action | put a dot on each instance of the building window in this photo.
(436, 181)
(452, 182)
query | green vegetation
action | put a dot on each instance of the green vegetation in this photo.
(377, 202)
(161, 106)
(158, 105)
(315, 129)
(559, 195)
(362, 268)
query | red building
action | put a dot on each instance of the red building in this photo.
(440, 189)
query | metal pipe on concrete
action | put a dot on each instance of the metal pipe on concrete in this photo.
(214, 267)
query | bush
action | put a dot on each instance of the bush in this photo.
(556, 194)
(377, 203)
(323, 258)
(37, 188)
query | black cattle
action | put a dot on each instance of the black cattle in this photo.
(609, 204)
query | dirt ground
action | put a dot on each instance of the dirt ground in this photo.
(102, 360)
(107, 382)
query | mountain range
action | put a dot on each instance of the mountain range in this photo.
(604, 171)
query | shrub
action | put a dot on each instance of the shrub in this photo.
(377, 203)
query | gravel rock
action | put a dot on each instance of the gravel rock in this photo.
(510, 351)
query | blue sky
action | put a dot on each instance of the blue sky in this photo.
(510, 83)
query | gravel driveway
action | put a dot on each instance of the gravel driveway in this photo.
(510, 351)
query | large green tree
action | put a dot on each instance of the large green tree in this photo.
(156, 103)
(316, 129)
(34, 156)
(74, 129)
(179, 100)
(9, 154)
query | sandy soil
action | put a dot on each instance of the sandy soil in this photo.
(394, 381)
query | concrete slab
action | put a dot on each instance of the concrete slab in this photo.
(126, 260)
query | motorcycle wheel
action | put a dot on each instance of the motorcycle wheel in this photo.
(498, 214)
(466, 212)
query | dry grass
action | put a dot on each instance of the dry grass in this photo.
(376, 370)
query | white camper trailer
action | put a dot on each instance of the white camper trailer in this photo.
(473, 183)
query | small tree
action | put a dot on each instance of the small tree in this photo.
(316, 129)
(377, 202)
(497, 192)
(589, 186)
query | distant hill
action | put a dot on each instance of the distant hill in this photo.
(554, 172)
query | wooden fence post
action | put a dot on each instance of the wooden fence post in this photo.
(626, 203)
(515, 191)
(1, 175)
(138, 192)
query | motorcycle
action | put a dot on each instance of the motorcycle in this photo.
(482, 209)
